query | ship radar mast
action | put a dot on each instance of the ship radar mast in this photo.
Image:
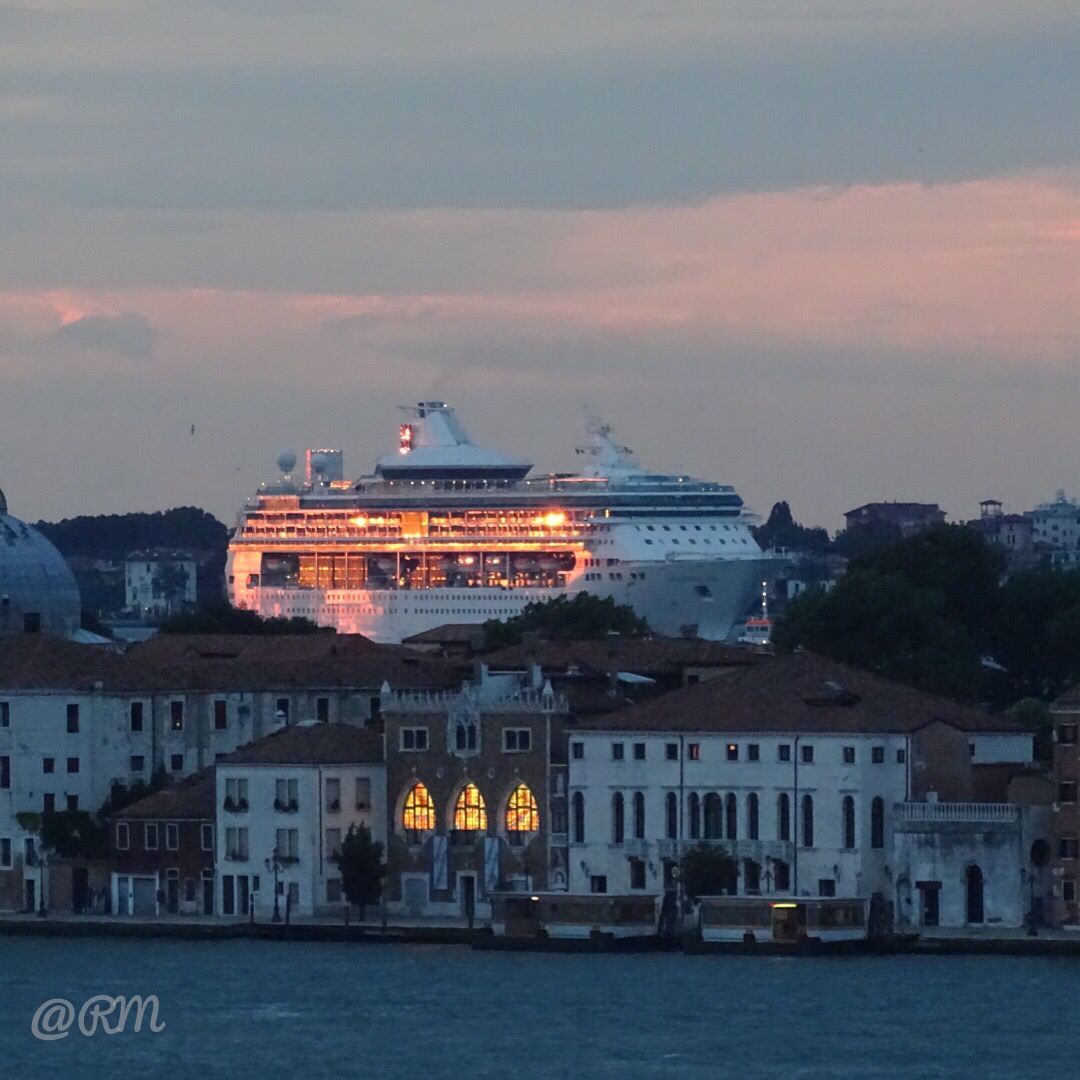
(608, 457)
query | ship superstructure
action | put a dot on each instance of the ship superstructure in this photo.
(446, 531)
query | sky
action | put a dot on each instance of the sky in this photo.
(825, 250)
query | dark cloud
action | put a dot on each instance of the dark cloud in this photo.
(128, 335)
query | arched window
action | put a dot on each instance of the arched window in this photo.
(618, 818)
(522, 815)
(807, 821)
(783, 817)
(578, 803)
(714, 817)
(731, 817)
(418, 816)
(877, 823)
(752, 817)
(849, 822)
(693, 810)
(671, 816)
(639, 815)
(470, 813)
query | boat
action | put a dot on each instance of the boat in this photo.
(447, 531)
(791, 926)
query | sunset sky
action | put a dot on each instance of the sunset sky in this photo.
(825, 250)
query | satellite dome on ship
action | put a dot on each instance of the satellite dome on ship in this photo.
(434, 445)
(38, 591)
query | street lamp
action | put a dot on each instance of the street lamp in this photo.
(273, 866)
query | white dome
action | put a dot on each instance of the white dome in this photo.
(37, 588)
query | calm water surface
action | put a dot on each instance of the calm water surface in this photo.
(266, 1010)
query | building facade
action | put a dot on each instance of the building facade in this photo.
(476, 795)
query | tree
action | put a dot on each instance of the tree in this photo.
(783, 531)
(585, 617)
(862, 539)
(115, 536)
(121, 795)
(708, 870)
(220, 617)
(362, 868)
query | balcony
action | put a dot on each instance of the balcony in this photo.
(236, 856)
(930, 813)
(755, 850)
(289, 807)
(333, 806)
(235, 806)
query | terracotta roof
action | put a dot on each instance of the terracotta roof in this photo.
(643, 656)
(448, 633)
(798, 692)
(220, 662)
(190, 798)
(312, 744)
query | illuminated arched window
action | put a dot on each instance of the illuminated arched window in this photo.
(470, 814)
(522, 814)
(419, 813)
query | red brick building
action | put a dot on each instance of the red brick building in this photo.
(162, 851)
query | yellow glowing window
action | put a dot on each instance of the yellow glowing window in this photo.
(521, 813)
(470, 814)
(419, 809)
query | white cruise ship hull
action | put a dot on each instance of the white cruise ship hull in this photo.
(704, 598)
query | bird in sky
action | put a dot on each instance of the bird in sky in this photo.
(192, 429)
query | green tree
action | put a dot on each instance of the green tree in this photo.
(863, 539)
(585, 617)
(362, 868)
(220, 617)
(73, 834)
(783, 531)
(121, 795)
(708, 870)
(115, 536)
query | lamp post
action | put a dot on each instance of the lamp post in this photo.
(273, 866)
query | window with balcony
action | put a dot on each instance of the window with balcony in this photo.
(287, 796)
(236, 844)
(236, 795)
(332, 791)
(287, 845)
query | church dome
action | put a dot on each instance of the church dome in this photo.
(38, 591)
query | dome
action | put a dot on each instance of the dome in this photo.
(38, 591)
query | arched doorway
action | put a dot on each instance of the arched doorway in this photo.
(974, 882)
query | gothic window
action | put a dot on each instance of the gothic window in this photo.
(731, 814)
(470, 813)
(639, 815)
(783, 817)
(419, 813)
(694, 813)
(522, 815)
(671, 815)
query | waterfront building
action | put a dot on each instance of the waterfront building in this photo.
(77, 719)
(908, 517)
(161, 851)
(284, 805)
(159, 583)
(1056, 526)
(794, 765)
(1066, 808)
(476, 793)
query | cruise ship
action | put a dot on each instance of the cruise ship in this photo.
(446, 531)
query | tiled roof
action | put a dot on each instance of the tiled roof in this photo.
(448, 633)
(798, 692)
(166, 663)
(643, 656)
(190, 798)
(312, 744)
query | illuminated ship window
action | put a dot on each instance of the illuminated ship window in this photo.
(522, 814)
(470, 813)
(419, 813)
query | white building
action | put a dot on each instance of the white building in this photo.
(794, 765)
(77, 719)
(158, 583)
(284, 805)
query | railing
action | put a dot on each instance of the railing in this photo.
(758, 850)
(945, 811)
(437, 701)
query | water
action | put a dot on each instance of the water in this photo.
(267, 1010)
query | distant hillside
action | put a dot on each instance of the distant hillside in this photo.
(113, 536)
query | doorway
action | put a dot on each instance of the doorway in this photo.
(974, 882)
(467, 894)
(80, 889)
(929, 902)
